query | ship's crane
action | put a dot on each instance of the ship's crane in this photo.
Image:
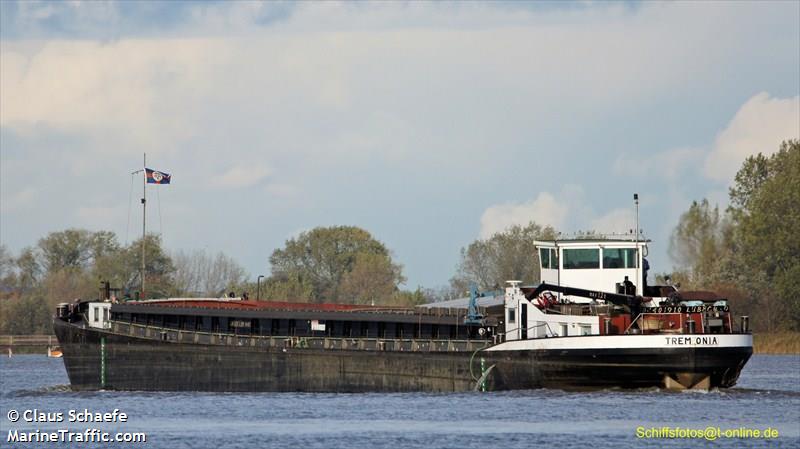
(474, 317)
(629, 302)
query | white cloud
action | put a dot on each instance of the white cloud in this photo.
(158, 93)
(760, 125)
(544, 210)
(241, 176)
(568, 208)
(618, 221)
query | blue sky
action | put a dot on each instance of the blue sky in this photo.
(428, 124)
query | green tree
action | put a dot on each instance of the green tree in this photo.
(159, 268)
(405, 298)
(75, 248)
(287, 287)
(765, 205)
(507, 255)
(29, 270)
(323, 257)
(27, 315)
(752, 253)
(372, 280)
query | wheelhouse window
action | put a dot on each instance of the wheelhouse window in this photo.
(619, 258)
(548, 258)
(512, 316)
(580, 258)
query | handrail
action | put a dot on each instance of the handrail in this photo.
(26, 340)
(289, 337)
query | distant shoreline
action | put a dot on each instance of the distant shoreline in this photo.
(776, 343)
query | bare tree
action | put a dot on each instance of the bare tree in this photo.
(198, 273)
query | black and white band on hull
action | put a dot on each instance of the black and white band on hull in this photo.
(625, 361)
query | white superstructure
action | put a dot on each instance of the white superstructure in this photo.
(600, 265)
(524, 320)
(99, 315)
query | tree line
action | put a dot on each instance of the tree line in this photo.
(749, 253)
(340, 264)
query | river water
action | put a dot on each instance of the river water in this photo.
(767, 397)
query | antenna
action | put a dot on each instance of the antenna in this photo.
(144, 215)
(144, 221)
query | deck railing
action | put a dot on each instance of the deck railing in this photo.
(27, 340)
(299, 342)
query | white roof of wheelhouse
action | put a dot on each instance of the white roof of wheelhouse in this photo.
(595, 243)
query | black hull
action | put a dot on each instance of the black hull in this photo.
(133, 363)
(611, 368)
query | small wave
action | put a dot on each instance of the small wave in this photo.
(50, 389)
(759, 391)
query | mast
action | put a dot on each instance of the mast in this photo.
(638, 250)
(144, 216)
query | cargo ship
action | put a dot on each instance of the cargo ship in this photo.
(592, 322)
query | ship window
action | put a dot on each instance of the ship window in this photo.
(548, 258)
(512, 316)
(619, 258)
(97, 313)
(105, 314)
(581, 258)
(586, 330)
(381, 330)
(564, 330)
(275, 327)
(435, 331)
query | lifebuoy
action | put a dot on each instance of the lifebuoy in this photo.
(545, 300)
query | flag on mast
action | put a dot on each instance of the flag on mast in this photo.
(157, 177)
